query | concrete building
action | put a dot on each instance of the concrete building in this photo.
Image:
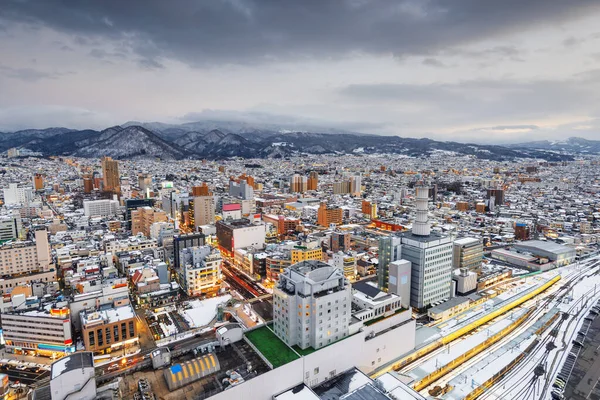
(430, 256)
(38, 182)
(242, 190)
(559, 254)
(467, 253)
(46, 333)
(142, 219)
(312, 305)
(109, 329)
(466, 281)
(200, 270)
(373, 303)
(181, 242)
(133, 204)
(240, 233)
(306, 251)
(73, 377)
(110, 175)
(345, 262)
(400, 272)
(9, 228)
(202, 211)
(298, 184)
(16, 195)
(390, 250)
(329, 215)
(313, 181)
(340, 241)
(25, 262)
(100, 208)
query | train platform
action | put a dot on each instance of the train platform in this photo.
(494, 361)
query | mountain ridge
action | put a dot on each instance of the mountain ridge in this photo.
(174, 142)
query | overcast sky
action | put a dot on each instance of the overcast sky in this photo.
(476, 70)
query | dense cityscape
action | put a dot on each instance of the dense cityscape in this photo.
(313, 277)
(299, 200)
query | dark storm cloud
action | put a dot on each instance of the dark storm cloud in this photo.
(248, 31)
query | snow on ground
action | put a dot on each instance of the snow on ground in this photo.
(458, 348)
(203, 311)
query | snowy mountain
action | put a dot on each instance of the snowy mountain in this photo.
(192, 140)
(130, 142)
(572, 145)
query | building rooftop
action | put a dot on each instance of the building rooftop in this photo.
(84, 359)
(545, 246)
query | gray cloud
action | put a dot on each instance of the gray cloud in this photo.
(246, 31)
(150, 64)
(434, 62)
(28, 74)
(477, 101)
(512, 127)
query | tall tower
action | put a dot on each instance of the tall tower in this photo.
(421, 225)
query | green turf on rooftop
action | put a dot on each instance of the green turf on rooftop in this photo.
(274, 350)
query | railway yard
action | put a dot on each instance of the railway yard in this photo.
(537, 339)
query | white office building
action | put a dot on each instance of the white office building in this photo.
(15, 195)
(100, 208)
(430, 255)
(312, 305)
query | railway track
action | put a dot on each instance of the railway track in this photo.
(547, 344)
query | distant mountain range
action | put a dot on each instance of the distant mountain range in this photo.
(572, 145)
(218, 139)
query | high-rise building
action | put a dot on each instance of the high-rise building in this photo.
(356, 185)
(298, 184)
(15, 195)
(467, 253)
(497, 195)
(142, 219)
(242, 189)
(202, 210)
(88, 184)
(390, 250)
(312, 305)
(200, 270)
(110, 173)
(38, 182)
(329, 215)
(430, 255)
(313, 181)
